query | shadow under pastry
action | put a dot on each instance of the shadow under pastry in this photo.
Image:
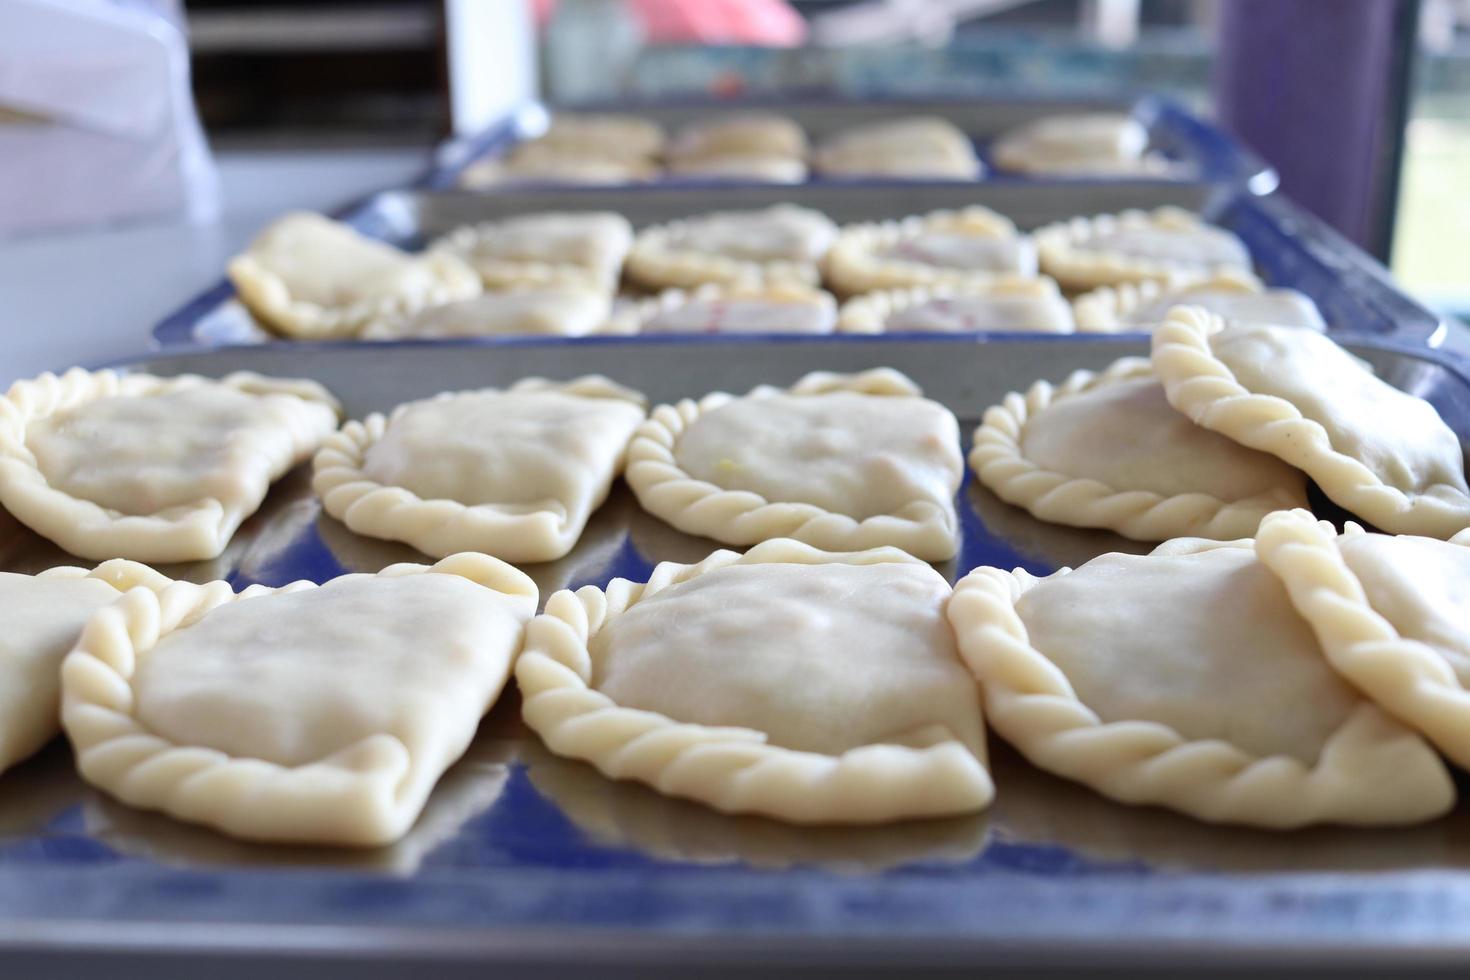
(1050, 545)
(1035, 807)
(628, 815)
(37, 791)
(470, 787)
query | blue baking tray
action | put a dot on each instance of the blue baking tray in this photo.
(1291, 248)
(523, 858)
(1204, 153)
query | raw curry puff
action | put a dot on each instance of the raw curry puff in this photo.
(789, 682)
(1004, 304)
(1137, 246)
(1391, 614)
(44, 615)
(779, 243)
(513, 473)
(1080, 144)
(551, 248)
(1107, 450)
(307, 714)
(311, 277)
(1379, 452)
(916, 147)
(557, 311)
(840, 461)
(1185, 678)
(148, 468)
(941, 248)
(1234, 295)
(742, 309)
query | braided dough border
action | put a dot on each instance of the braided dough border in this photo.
(733, 770)
(1102, 310)
(193, 532)
(122, 575)
(607, 319)
(267, 296)
(365, 795)
(1204, 388)
(1064, 498)
(1406, 677)
(781, 292)
(656, 261)
(853, 266)
(741, 517)
(869, 312)
(1371, 771)
(499, 273)
(1056, 246)
(445, 527)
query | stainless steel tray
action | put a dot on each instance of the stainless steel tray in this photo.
(522, 858)
(1207, 154)
(1290, 247)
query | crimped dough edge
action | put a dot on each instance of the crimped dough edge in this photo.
(196, 532)
(644, 310)
(362, 796)
(266, 295)
(733, 770)
(655, 262)
(508, 273)
(869, 312)
(852, 266)
(445, 527)
(1074, 269)
(122, 575)
(1407, 678)
(1371, 771)
(1103, 309)
(741, 517)
(1062, 498)
(1204, 388)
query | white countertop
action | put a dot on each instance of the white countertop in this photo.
(92, 296)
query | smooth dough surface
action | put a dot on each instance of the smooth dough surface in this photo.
(592, 240)
(294, 678)
(523, 451)
(952, 250)
(1071, 142)
(822, 658)
(968, 313)
(1280, 307)
(1421, 586)
(43, 618)
(327, 263)
(142, 455)
(845, 452)
(780, 233)
(1399, 437)
(743, 315)
(748, 133)
(1126, 435)
(1200, 244)
(1206, 643)
(566, 312)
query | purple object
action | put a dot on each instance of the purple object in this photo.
(1318, 89)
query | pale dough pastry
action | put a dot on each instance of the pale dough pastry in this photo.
(607, 133)
(917, 147)
(780, 243)
(513, 473)
(1137, 246)
(148, 468)
(1106, 450)
(765, 134)
(1382, 453)
(1001, 304)
(1109, 144)
(44, 616)
(839, 461)
(310, 277)
(803, 685)
(712, 309)
(1185, 678)
(1392, 614)
(555, 166)
(942, 248)
(1234, 295)
(743, 167)
(555, 311)
(550, 248)
(307, 714)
